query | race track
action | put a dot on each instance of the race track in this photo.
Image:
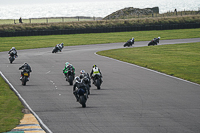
(132, 99)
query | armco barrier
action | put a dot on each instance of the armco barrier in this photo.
(101, 30)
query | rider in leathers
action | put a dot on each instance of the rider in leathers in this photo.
(67, 66)
(24, 68)
(14, 51)
(79, 84)
(95, 70)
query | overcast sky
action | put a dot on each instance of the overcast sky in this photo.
(11, 2)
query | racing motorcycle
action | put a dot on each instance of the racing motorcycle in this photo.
(86, 81)
(129, 43)
(82, 96)
(25, 75)
(57, 48)
(70, 75)
(97, 81)
(154, 41)
(12, 56)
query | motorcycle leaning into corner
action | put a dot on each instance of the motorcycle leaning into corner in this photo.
(12, 56)
(154, 41)
(129, 43)
(57, 48)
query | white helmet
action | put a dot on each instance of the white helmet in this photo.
(67, 63)
(77, 79)
(82, 71)
(13, 47)
(158, 37)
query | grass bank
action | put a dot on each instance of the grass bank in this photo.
(30, 42)
(10, 106)
(100, 23)
(179, 60)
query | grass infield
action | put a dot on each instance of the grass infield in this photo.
(181, 60)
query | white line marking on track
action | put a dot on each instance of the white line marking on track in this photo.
(25, 103)
(149, 70)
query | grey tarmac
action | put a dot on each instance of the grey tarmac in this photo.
(131, 99)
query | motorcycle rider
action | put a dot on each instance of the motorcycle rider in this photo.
(14, 51)
(67, 66)
(155, 40)
(84, 74)
(59, 47)
(132, 40)
(78, 84)
(25, 67)
(95, 70)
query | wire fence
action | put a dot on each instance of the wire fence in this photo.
(82, 18)
(48, 20)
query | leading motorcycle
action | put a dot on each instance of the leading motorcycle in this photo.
(57, 48)
(129, 43)
(154, 41)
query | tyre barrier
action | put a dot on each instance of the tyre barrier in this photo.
(101, 30)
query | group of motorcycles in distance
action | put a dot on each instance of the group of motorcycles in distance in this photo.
(153, 42)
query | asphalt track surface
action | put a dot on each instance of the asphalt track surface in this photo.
(131, 98)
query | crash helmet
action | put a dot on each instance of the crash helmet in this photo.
(82, 71)
(94, 66)
(67, 63)
(158, 37)
(13, 48)
(77, 79)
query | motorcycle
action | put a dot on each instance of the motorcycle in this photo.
(82, 96)
(154, 41)
(129, 43)
(97, 81)
(57, 48)
(70, 76)
(25, 75)
(86, 81)
(12, 56)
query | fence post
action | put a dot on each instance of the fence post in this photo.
(47, 20)
(78, 18)
(14, 21)
(29, 20)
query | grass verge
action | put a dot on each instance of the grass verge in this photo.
(179, 60)
(30, 42)
(10, 106)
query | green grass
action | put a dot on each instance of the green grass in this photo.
(179, 60)
(30, 42)
(10, 108)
